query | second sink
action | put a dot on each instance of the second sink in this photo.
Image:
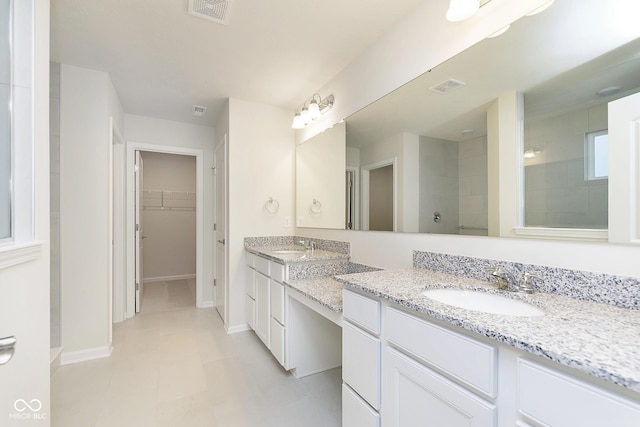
(483, 301)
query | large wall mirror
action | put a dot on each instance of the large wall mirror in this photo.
(416, 160)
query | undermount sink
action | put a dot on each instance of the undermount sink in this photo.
(483, 301)
(289, 251)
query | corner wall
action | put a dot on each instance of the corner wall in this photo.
(261, 165)
(87, 101)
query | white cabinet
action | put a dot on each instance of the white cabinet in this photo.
(361, 363)
(555, 399)
(361, 360)
(417, 396)
(356, 412)
(263, 312)
(265, 303)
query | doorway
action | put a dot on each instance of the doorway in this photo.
(166, 218)
(158, 203)
(379, 183)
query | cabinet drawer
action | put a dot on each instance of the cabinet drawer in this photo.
(277, 272)
(251, 283)
(556, 399)
(468, 361)
(251, 311)
(261, 265)
(356, 412)
(249, 260)
(414, 392)
(277, 301)
(363, 311)
(277, 341)
(361, 363)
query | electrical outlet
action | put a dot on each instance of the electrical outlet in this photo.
(299, 222)
(287, 221)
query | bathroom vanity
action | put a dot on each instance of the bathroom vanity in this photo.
(408, 357)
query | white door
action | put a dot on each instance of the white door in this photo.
(139, 229)
(221, 228)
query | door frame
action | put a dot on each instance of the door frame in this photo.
(222, 145)
(130, 287)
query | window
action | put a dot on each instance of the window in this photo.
(5, 121)
(596, 155)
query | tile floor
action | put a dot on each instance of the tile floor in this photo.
(174, 365)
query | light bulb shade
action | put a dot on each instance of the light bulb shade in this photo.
(297, 122)
(305, 116)
(314, 110)
(459, 10)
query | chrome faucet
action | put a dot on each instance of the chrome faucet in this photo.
(310, 246)
(502, 279)
(505, 281)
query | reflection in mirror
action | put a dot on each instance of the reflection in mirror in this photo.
(432, 133)
(320, 180)
(566, 164)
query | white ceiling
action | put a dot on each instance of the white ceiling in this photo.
(163, 60)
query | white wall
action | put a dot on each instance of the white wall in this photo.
(149, 130)
(87, 101)
(472, 171)
(24, 288)
(261, 165)
(170, 244)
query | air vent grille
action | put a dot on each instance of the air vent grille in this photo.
(447, 86)
(213, 10)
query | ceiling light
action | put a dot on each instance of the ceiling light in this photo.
(311, 110)
(607, 91)
(459, 10)
(467, 131)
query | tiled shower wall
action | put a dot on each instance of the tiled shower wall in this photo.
(557, 194)
(54, 170)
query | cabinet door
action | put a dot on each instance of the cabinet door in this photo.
(277, 301)
(251, 311)
(356, 412)
(251, 282)
(263, 312)
(277, 341)
(361, 363)
(415, 396)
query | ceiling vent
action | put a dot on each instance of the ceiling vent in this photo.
(213, 10)
(447, 86)
(198, 110)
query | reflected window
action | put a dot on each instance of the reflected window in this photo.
(5, 121)
(597, 155)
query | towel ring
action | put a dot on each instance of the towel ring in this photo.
(271, 205)
(315, 207)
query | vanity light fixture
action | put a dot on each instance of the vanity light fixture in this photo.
(459, 10)
(311, 110)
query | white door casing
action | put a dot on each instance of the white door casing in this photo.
(139, 265)
(131, 148)
(221, 255)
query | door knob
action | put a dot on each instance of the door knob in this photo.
(7, 348)
(221, 241)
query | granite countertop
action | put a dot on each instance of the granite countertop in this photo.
(599, 339)
(324, 290)
(303, 256)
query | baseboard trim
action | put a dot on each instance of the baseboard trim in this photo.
(238, 328)
(71, 357)
(169, 278)
(206, 304)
